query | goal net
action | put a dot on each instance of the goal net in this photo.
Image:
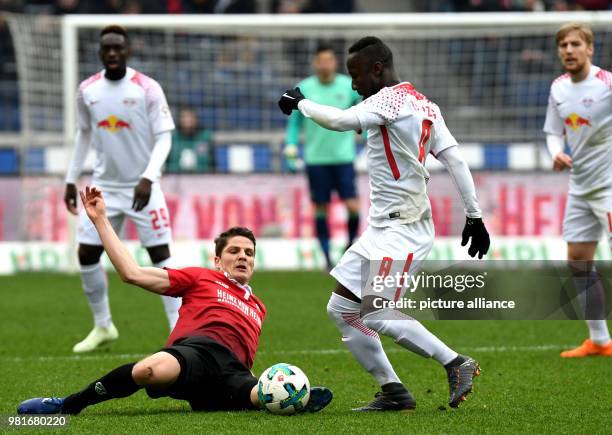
(489, 73)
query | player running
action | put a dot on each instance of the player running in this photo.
(209, 354)
(580, 111)
(124, 114)
(403, 126)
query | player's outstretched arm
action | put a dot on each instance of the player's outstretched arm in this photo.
(150, 278)
(474, 228)
(328, 117)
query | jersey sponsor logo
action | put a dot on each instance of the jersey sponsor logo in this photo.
(129, 102)
(229, 299)
(113, 124)
(575, 121)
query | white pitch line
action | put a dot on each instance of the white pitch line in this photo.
(136, 356)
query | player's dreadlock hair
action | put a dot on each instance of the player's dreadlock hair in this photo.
(221, 241)
(374, 49)
(115, 28)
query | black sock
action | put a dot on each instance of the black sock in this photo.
(323, 234)
(353, 227)
(456, 362)
(116, 384)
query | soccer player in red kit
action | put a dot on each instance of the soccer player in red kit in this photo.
(208, 357)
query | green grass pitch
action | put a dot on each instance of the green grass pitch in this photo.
(524, 387)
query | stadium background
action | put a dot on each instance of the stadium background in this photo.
(489, 73)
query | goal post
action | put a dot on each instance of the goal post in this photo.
(489, 72)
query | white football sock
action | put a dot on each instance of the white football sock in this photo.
(598, 331)
(591, 296)
(171, 304)
(95, 286)
(363, 343)
(411, 334)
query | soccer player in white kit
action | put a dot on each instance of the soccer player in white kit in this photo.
(580, 112)
(403, 127)
(123, 114)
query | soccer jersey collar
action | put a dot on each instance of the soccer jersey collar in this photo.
(245, 287)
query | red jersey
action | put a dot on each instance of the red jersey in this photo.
(218, 307)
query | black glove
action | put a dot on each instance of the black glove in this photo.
(289, 100)
(475, 228)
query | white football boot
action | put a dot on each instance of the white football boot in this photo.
(96, 337)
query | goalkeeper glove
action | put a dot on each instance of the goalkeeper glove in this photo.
(475, 229)
(289, 100)
(291, 157)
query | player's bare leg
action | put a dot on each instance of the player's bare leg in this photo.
(591, 297)
(95, 287)
(159, 370)
(160, 257)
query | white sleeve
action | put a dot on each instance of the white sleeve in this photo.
(161, 149)
(459, 171)
(553, 123)
(442, 137)
(555, 144)
(158, 110)
(82, 140)
(81, 148)
(329, 117)
(83, 119)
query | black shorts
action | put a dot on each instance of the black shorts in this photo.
(323, 179)
(212, 378)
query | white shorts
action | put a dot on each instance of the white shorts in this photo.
(152, 222)
(392, 250)
(586, 219)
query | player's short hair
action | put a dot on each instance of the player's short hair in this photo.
(115, 28)
(374, 49)
(325, 46)
(221, 241)
(584, 30)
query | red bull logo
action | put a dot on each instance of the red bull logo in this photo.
(113, 124)
(575, 121)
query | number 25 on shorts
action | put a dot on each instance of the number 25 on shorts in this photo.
(157, 216)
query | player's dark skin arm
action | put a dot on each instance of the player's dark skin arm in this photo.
(142, 194)
(70, 198)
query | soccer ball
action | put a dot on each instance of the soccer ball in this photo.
(283, 389)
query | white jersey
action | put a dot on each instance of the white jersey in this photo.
(123, 115)
(583, 113)
(403, 127)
